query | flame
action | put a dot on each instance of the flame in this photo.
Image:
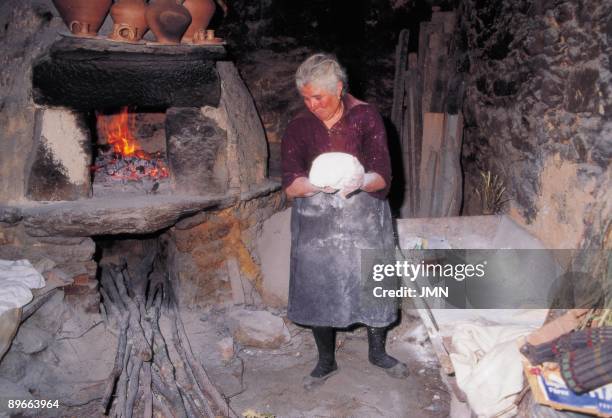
(118, 131)
(127, 160)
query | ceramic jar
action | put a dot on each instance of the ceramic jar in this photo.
(129, 21)
(168, 21)
(201, 12)
(83, 17)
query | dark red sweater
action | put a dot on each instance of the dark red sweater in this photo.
(360, 132)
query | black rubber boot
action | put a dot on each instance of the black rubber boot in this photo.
(378, 355)
(325, 338)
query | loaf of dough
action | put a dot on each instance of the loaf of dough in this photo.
(335, 170)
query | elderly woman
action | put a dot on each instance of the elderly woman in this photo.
(330, 228)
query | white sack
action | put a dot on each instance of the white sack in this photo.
(335, 170)
(16, 280)
(488, 367)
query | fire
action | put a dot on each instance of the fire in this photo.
(125, 160)
(118, 132)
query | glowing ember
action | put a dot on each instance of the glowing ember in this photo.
(123, 159)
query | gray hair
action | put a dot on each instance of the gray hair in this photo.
(322, 70)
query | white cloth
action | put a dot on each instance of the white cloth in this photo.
(335, 170)
(16, 280)
(488, 367)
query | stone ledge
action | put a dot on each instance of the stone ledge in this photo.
(120, 215)
(262, 189)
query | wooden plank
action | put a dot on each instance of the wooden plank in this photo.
(401, 58)
(406, 210)
(433, 130)
(424, 30)
(451, 183)
(435, 73)
(441, 177)
(417, 124)
(411, 138)
(434, 200)
(445, 20)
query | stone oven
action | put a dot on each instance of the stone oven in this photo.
(198, 178)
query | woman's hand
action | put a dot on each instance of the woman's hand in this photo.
(373, 182)
(352, 185)
(370, 182)
(328, 189)
(302, 187)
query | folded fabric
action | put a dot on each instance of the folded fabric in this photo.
(488, 367)
(16, 280)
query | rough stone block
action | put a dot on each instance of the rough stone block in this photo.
(235, 281)
(60, 166)
(199, 282)
(226, 348)
(9, 322)
(246, 127)
(83, 285)
(273, 249)
(31, 339)
(258, 329)
(89, 303)
(196, 151)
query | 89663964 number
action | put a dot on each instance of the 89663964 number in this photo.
(32, 404)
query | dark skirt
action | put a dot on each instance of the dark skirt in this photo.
(332, 242)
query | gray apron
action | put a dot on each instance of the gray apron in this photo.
(326, 285)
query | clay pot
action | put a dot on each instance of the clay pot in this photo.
(130, 23)
(201, 13)
(168, 21)
(83, 17)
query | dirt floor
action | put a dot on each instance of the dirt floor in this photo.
(75, 365)
(269, 382)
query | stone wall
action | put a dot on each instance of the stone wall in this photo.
(213, 257)
(70, 259)
(538, 111)
(26, 29)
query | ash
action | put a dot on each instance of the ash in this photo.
(141, 173)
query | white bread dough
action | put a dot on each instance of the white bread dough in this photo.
(335, 170)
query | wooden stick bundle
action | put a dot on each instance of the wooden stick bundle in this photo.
(152, 372)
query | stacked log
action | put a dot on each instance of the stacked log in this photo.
(154, 373)
(427, 95)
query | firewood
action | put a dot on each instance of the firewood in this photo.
(118, 365)
(191, 373)
(148, 394)
(202, 377)
(141, 345)
(190, 406)
(175, 386)
(133, 386)
(159, 403)
(121, 392)
(108, 283)
(171, 395)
